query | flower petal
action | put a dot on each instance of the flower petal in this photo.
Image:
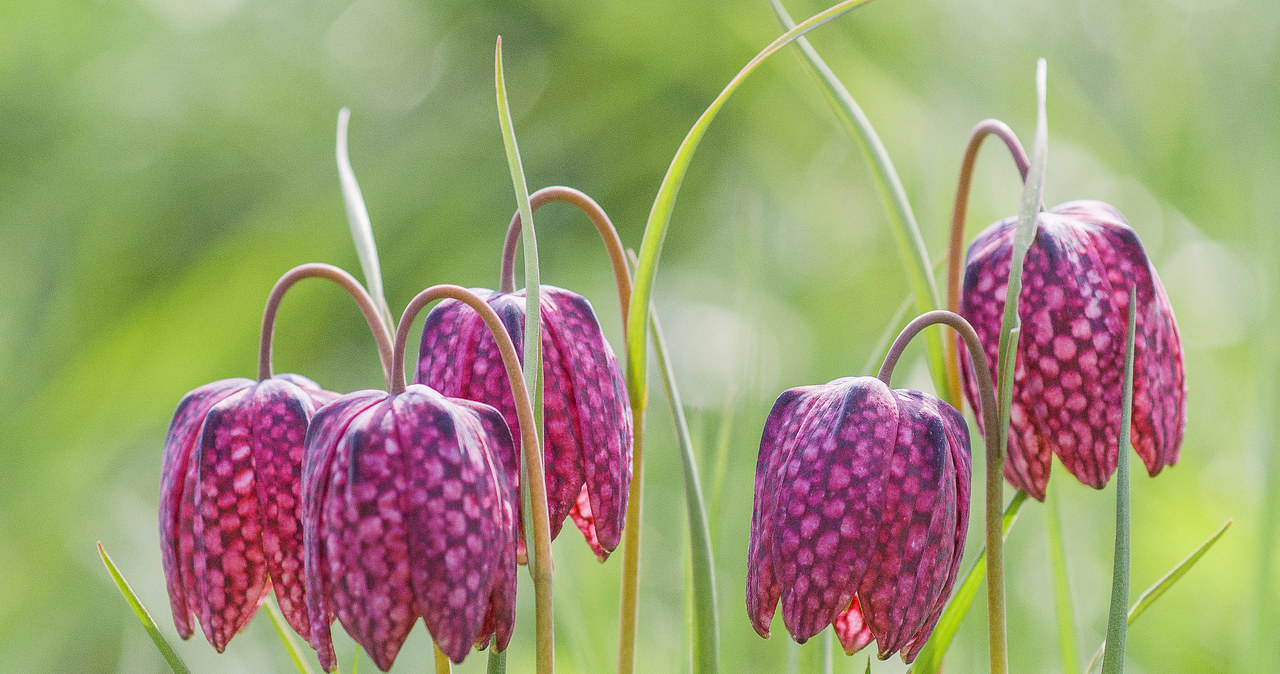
(917, 531)
(281, 411)
(851, 629)
(451, 503)
(829, 496)
(176, 538)
(229, 565)
(326, 429)
(364, 536)
(763, 589)
(601, 409)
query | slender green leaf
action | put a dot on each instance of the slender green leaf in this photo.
(358, 219)
(902, 220)
(1151, 594)
(532, 360)
(706, 639)
(1117, 620)
(660, 215)
(1062, 591)
(828, 651)
(1024, 235)
(144, 616)
(930, 659)
(355, 661)
(286, 636)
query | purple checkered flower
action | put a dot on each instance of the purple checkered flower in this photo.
(229, 502)
(861, 509)
(1070, 363)
(407, 513)
(587, 414)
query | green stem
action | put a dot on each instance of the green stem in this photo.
(347, 282)
(1118, 619)
(144, 616)
(497, 663)
(283, 631)
(906, 232)
(443, 666)
(1062, 590)
(995, 464)
(534, 489)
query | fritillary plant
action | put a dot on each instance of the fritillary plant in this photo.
(376, 508)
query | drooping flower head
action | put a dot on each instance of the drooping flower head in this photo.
(229, 496)
(1070, 363)
(587, 415)
(861, 509)
(407, 514)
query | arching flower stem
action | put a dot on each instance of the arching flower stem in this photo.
(635, 498)
(955, 250)
(995, 466)
(541, 569)
(348, 283)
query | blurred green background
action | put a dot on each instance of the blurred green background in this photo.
(163, 161)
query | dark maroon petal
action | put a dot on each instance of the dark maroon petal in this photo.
(914, 543)
(229, 565)
(281, 411)
(364, 539)
(451, 503)
(763, 590)
(958, 442)
(176, 529)
(496, 442)
(851, 629)
(325, 431)
(601, 410)
(829, 495)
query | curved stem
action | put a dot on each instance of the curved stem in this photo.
(629, 608)
(541, 569)
(348, 283)
(995, 466)
(955, 254)
(608, 234)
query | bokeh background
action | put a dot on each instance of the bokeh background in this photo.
(163, 161)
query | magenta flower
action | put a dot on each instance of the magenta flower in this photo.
(1074, 306)
(229, 497)
(407, 514)
(587, 413)
(861, 509)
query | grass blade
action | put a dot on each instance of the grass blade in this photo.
(1151, 594)
(906, 232)
(930, 659)
(286, 637)
(144, 616)
(1062, 591)
(1117, 620)
(358, 218)
(664, 203)
(706, 636)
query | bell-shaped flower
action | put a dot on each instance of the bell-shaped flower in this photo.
(861, 509)
(1069, 372)
(588, 434)
(230, 496)
(408, 514)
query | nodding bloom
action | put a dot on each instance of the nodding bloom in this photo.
(229, 502)
(861, 509)
(407, 514)
(588, 435)
(1070, 363)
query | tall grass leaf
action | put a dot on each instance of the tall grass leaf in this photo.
(144, 616)
(1117, 620)
(286, 637)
